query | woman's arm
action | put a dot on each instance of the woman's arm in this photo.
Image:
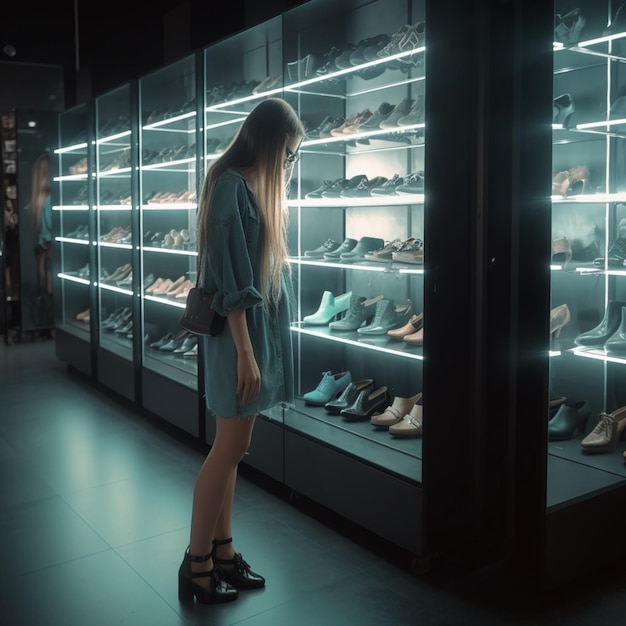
(248, 373)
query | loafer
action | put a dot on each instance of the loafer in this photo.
(349, 395)
(329, 245)
(361, 311)
(329, 387)
(346, 246)
(366, 404)
(364, 245)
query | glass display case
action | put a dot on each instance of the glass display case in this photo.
(239, 72)
(357, 77)
(117, 219)
(74, 259)
(168, 200)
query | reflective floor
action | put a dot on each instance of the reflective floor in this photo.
(94, 519)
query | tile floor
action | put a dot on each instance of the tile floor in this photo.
(94, 518)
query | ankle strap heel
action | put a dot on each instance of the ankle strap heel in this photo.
(219, 590)
(236, 571)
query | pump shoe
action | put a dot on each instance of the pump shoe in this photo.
(366, 404)
(329, 307)
(329, 387)
(394, 413)
(349, 395)
(559, 317)
(608, 430)
(569, 417)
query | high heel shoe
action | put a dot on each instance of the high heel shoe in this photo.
(412, 326)
(237, 572)
(567, 27)
(561, 251)
(608, 430)
(562, 108)
(559, 317)
(219, 590)
(570, 416)
(570, 182)
(330, 306)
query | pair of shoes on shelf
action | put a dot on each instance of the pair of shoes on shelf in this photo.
(366, 403)
(411, 425)
(395, 412)
(329, 387)
(610, 333)
(361, 311)
(387, 315)
(570, 182)
(412, 332)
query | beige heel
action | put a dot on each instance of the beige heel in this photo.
(395, 413)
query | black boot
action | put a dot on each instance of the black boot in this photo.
(568, 418)
(610, 323)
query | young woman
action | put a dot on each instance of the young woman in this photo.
(248, 367)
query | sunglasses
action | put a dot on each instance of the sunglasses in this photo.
(291, 157)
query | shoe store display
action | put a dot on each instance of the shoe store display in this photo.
(329, 387)
(609, 325)
(330, 306)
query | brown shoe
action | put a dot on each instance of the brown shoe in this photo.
(416, 338)
(395, 413)
(608, 430)
(411, 327)
(411, 424)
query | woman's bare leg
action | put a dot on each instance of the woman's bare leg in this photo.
(215, 487)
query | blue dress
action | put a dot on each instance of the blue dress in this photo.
(231, 269)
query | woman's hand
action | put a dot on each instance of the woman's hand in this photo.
(248, 378)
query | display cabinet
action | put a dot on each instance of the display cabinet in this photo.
(357, 77)
(116, 225)
(168, 201)
(240, 71)
(74, 221)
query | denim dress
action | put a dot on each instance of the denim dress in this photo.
(231, 269)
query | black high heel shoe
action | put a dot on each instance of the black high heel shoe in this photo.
(238, 574)
(219, 590)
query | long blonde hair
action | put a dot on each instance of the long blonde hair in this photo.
(259, 150)
(39, 189)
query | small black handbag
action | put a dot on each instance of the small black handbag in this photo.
(199, 317)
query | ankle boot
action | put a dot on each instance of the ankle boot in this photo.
(568, 418)
(599, 335)
(219, 590)
(616, 343)
(608, 430)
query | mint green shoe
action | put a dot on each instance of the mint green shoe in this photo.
(328, 388)
(330, 306)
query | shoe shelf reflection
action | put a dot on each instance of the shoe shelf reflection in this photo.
(599, 354)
